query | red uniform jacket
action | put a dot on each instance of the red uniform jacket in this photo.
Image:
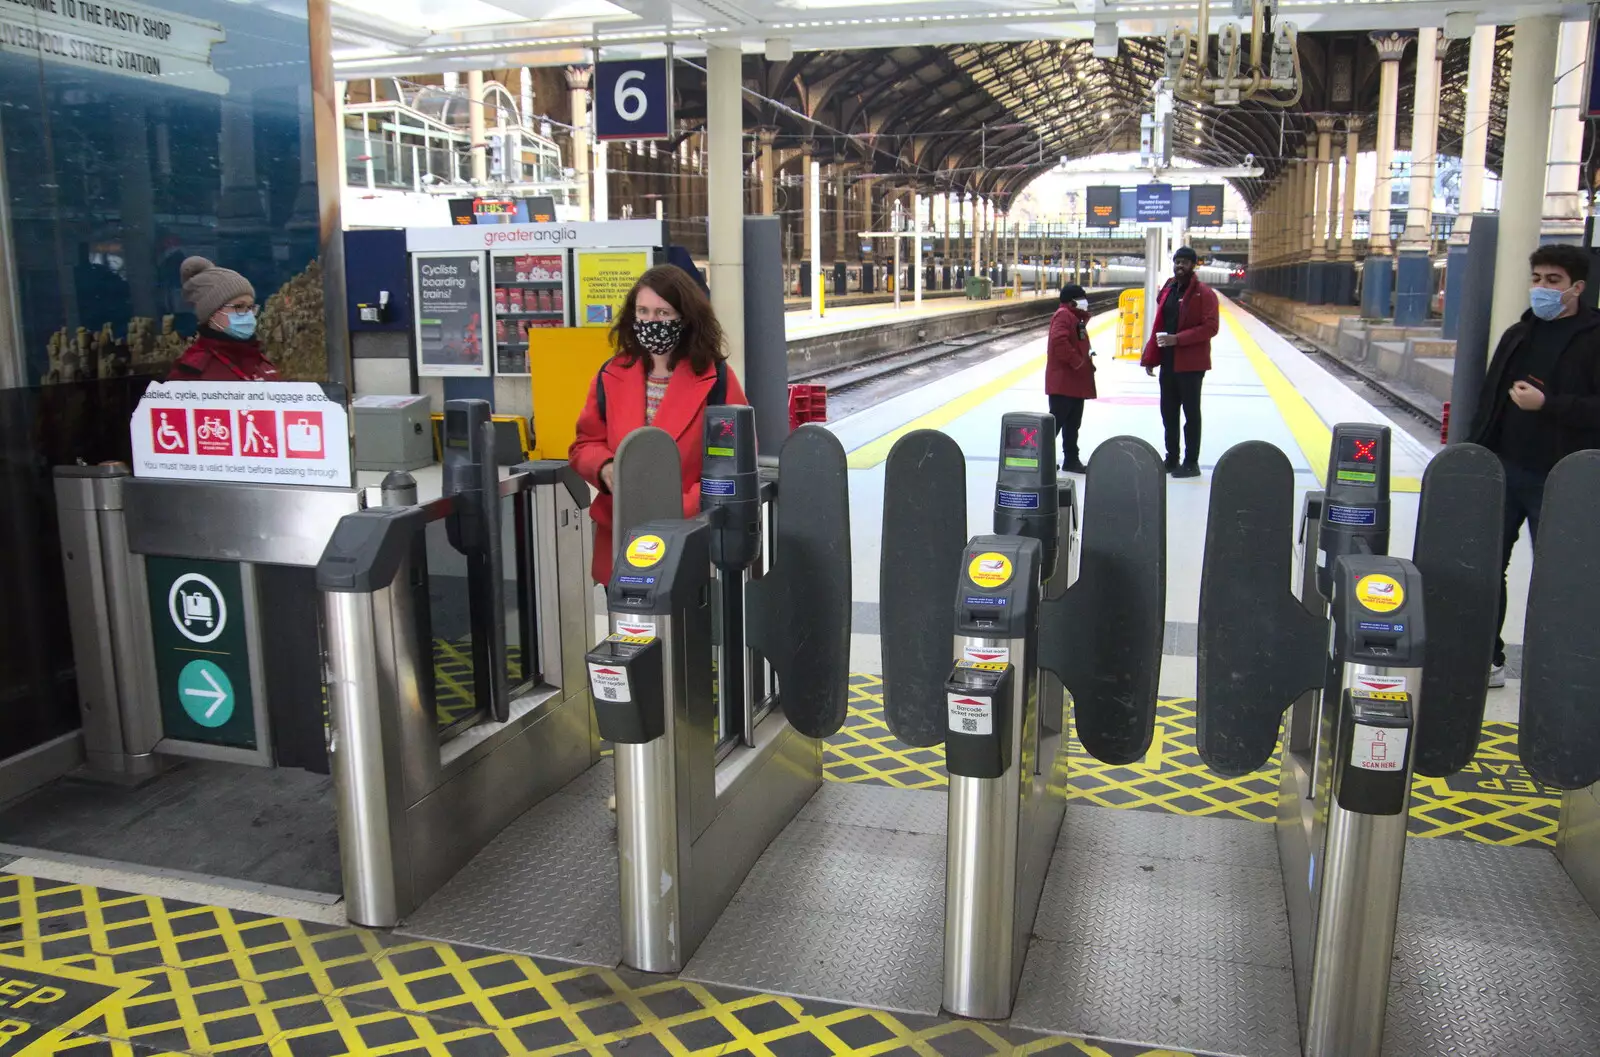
(682, 414)
(1197, 325)
(1068, 369)
(210, 359)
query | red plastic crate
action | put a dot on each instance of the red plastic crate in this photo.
(807, 403)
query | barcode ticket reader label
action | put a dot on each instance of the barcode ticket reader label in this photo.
(1355, 510)
(978, 695)
(1027, 498)
(626, 681)
(997, 611)
(1374, 751)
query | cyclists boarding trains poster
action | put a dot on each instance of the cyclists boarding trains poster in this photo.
(259, 432)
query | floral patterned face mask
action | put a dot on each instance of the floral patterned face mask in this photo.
(658, 336)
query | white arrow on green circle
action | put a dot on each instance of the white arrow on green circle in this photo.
(217, 694)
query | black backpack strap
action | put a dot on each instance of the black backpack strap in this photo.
(600, 389)
(719, 388)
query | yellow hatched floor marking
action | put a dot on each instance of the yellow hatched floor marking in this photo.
(1493, 800)
(177, 978)
(876, 451)
(1311, 434)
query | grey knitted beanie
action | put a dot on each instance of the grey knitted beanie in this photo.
(209, 287)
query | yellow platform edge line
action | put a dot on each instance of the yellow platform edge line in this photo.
(1311, 434)
(874, 452)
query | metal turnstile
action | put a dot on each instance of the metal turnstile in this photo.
(1037, 613)
(1385, 662)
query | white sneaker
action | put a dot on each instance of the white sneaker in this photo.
(1497, 675)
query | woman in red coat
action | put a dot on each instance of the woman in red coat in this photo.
(1069, 371)
(668, 359)
(226, 349)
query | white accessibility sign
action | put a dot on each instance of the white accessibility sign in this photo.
(1378, 748)
(257, 432)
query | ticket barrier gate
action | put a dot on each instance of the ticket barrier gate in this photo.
(1037, 611)
(1386, 662)
(428, 765)
(704, 785)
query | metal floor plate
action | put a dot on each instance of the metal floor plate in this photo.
(1495, 953)
(547, 885)
(847, 905)
(1165, 930)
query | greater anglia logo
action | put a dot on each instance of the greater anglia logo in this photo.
(542, 234)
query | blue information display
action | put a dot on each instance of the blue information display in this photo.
(633, 99)
(1153, 203)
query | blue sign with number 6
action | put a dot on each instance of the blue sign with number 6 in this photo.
(633, 99)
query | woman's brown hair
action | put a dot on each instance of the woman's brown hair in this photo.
(701, 342)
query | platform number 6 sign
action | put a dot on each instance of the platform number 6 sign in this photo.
(633, 99)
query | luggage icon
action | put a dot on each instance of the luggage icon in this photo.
(304, 435)
(197, 609)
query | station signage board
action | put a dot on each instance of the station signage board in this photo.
(1103, 206)
(535, 238)
(1205, 206)
(252, 432)
(122, 39)
(633, 99)
(1153, 203)
(202, 653)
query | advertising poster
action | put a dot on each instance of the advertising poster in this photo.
(1104, 205)
(260, 432)
(604, 279)
(451, 311)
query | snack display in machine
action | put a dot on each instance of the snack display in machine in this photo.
(529, 294)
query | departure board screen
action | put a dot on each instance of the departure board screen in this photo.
(1103, 206)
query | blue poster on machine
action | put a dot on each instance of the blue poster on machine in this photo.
(1153, 203)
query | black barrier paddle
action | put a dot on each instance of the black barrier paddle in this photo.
(1102, 638)
(646, 482)
(1259, 648)
(924, 533)
(1457, 551)
(797, 616)
(1559, 733)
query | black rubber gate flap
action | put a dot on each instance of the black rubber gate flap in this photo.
(1560, 717)
(924, 532)
(1457, 551)
(1102, 638)
(1259, 647)
(647, 482)
(797, 616)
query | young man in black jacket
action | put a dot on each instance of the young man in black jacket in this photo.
(1541, 397)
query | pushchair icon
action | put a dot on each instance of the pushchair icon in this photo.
(197, 609)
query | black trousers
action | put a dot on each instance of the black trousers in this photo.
(1181, 390)
(1068, 412)
(1524, 498)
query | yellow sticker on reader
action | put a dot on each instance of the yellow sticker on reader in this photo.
(1379, 593)
(984, 666)
(646, 551)
(989, 569)
(632, 640)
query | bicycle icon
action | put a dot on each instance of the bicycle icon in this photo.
(212, 429)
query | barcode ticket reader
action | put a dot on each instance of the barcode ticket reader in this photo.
(997, 620)
(660, 581)
(987, 676)
(471, 478)
(1361, 666)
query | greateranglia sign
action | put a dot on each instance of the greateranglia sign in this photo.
(583, 235)
(125, 39)
(257, 432)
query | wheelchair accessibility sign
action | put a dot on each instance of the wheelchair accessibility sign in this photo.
(258, 432)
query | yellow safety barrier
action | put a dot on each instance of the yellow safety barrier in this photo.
(1130, 325)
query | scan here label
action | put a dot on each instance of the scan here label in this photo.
(1378, 748)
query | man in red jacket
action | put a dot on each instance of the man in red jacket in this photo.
(1183, 324)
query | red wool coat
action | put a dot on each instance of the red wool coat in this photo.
(1197, 325)
(1068, 369)
(682, 414)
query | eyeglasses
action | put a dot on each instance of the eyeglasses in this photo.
(251, 308)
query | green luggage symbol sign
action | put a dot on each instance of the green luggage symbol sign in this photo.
(206, 693)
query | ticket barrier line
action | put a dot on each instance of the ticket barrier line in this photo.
(413, 808)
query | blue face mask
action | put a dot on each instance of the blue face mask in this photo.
(1546, 303)
(241, 325)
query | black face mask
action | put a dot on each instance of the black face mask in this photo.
(658, 336)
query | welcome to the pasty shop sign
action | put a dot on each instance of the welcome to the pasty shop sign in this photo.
(123, 39)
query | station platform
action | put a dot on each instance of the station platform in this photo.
(1170, 910)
